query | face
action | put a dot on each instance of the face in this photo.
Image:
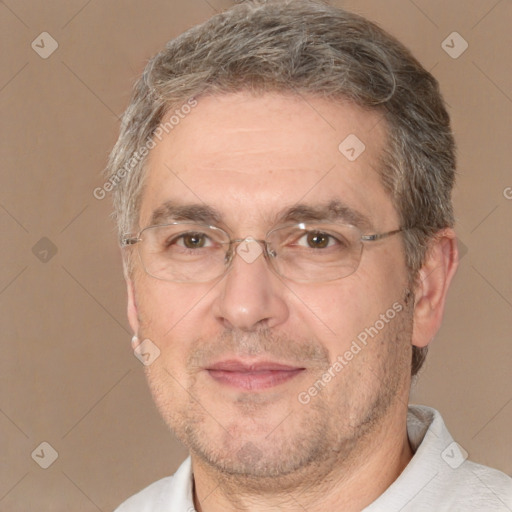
(259, 375)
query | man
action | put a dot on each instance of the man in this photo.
(282, 186)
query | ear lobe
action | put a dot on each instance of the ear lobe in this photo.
(434, 278)
(132, 311)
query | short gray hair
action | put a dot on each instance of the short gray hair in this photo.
(303, 47)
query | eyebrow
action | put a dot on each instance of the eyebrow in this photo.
(171, 211)
(332, 211)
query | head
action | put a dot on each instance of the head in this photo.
(243, 116)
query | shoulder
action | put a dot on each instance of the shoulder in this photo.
(470, 487)
(440, 477)
(481, 487)
(148, 498)
(168, 494)
(455, 483)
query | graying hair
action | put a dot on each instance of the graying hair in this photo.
(303, 47)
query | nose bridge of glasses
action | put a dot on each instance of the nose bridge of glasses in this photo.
(249, 248)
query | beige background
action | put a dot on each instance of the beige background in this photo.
(68, 376)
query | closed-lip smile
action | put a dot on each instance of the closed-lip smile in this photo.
(252, 376)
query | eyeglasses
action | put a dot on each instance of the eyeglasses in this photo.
(186, 252)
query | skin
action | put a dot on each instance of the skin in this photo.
(249, 158)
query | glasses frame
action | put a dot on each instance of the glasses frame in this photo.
(130, 239)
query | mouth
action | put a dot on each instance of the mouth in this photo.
(252, 376)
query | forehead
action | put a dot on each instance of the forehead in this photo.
(250, 157)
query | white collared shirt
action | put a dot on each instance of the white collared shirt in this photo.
(438, 478)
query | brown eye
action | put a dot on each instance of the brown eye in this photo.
(194, 240)
(317, 240)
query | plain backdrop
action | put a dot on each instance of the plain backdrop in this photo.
(67, 373)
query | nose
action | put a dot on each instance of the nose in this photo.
(251, 295)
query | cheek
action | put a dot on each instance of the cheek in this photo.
(168, 311)
(334, 313)
(337, 313)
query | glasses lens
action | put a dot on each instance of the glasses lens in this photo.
(315, 252)
(183, 252)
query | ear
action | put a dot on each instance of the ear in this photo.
(434, 278)
(132, 311)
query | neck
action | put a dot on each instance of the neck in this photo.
(350, 484)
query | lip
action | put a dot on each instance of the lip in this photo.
(252, 376)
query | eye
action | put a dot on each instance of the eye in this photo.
(317, 240)
(195, 240)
